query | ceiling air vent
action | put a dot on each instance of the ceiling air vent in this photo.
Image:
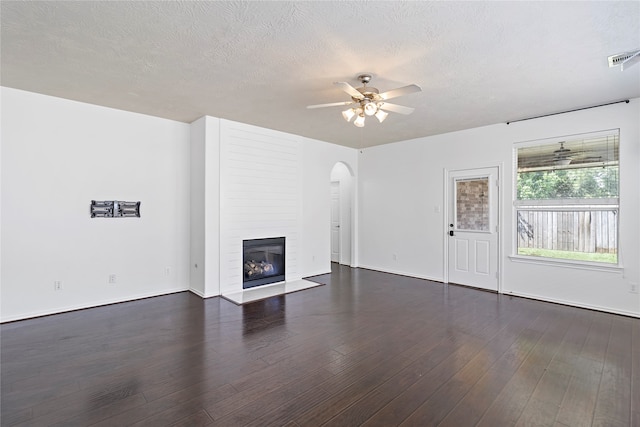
(625, 59)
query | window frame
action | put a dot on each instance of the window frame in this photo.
(568, 205)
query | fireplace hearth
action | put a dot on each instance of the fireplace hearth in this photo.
(263, 261)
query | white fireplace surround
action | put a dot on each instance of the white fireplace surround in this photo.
(253, 183)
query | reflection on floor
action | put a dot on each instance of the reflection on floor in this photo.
(262, 292)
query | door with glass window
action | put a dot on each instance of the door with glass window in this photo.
(473, 228)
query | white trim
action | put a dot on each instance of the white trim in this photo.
(500, 238)
(445, 210)
(573, 304)
(568, 205)
(318, 273)
(402, 273)
(102, 303)
(197, 292)
(567, 263)
(501, 234)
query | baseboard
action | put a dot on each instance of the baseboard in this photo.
(573, 304)
(318, 273)
(402, 273)
(202, 295)
(519, 294)
(102, 303)
(197, 292)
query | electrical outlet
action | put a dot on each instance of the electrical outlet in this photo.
(167, 271)
(395, 257)
(633, 288)
(112, 278)
(57, 285)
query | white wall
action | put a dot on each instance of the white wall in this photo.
(197, 213)
(319, 158)
(400, 188)
(401, 206)
(57, 156)
(205, 207)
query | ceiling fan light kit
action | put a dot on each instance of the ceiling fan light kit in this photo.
(381, 115)
(369, 101)
(348, 114)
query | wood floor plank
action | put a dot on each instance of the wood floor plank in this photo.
(509, 404)
(364, 409)
(346, 388)
(369, 348)
(613, 405)
(438, 406)
(580, 398)
(441, 364)
(548, 395)
(200, 418)
(635, 376)
(88, 416)
(268, 402)
(186, 400)
(475, 403)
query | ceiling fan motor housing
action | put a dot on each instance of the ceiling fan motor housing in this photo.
(368, 92)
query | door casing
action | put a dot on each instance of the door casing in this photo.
(448, 203)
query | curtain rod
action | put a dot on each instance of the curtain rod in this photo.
(626, 101)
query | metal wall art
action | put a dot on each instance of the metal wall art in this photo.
(114, 209)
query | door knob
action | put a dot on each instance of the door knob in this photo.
(450, 232)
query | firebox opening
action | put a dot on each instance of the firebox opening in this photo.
(263, 261)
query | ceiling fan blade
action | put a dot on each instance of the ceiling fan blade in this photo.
(349, 89)
(333, 104)
(396, 108)
(405, 90)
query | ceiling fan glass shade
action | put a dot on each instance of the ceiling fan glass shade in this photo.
(381, 115)
(348, 114)
(370, 108)
(359, 121)
(562, 161)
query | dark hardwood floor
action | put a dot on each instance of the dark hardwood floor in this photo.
(369, 348)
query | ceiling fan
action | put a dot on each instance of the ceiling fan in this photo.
(562, 156)
(565, 156)
(368, 101)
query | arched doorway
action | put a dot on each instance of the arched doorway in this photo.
(342, 214)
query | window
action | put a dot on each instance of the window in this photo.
(567, 200)
(472, 204)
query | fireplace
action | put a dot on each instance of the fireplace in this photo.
(262, 261)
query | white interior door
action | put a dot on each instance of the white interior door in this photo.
(473, 228)
(335, 222)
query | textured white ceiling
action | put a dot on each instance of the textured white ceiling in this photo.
(479, 63)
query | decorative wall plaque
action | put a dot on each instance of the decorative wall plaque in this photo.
(114, 209)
